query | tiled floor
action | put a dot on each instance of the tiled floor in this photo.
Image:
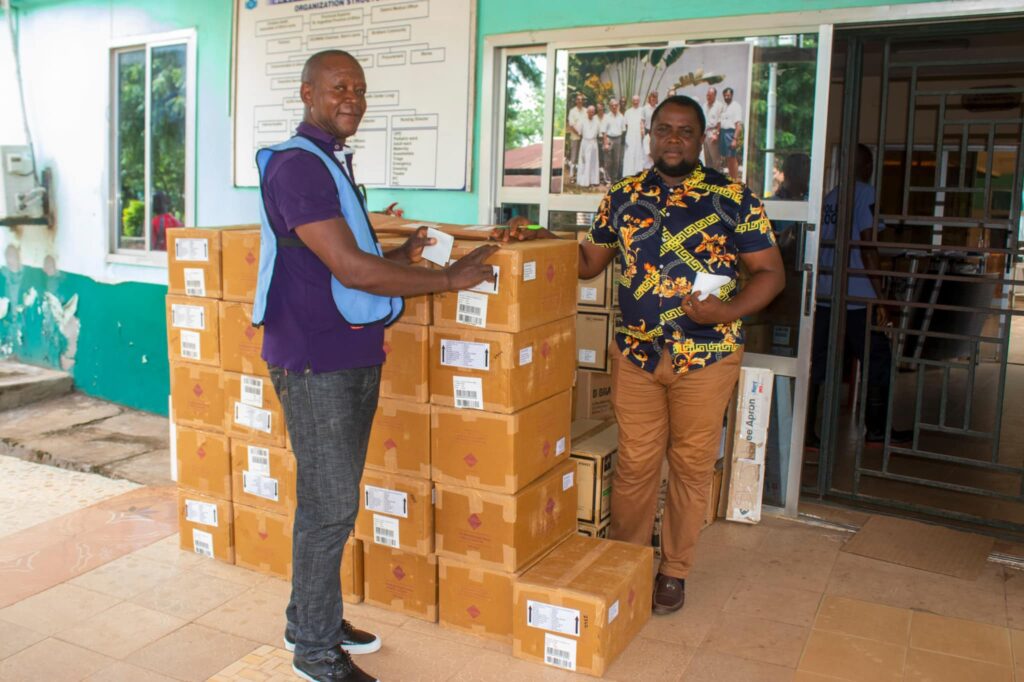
(778, 601)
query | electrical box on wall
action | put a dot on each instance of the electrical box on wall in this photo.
(21, 197)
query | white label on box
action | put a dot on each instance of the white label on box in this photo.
(550, 617)
(385, 530)
(486, 287)
(252, 417)
(559, 651)
(195, 282)
(588, 356)
(560, 446)
(613, 612)
(525, 355)
(188, 316)
(259, 485)
(529, 271)
(440, 252)
(201, 512)
(468, 392)
(190, 345)
(192, 250)
(465, 354)
(386, 501)
(567, 480)
(259, 460)
(588, 294)
(471, 309)
(252, 391)
(202, 542)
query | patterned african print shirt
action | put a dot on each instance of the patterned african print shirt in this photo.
(665, 236)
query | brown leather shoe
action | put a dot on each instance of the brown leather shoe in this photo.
(669, 594)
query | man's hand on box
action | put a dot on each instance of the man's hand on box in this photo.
(414, 245)
(518, 230)
(471, 270)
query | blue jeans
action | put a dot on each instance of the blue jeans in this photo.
(328, 417)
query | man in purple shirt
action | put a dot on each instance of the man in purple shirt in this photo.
(325, 370)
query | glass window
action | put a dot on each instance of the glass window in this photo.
(524, 119)
(150, 131)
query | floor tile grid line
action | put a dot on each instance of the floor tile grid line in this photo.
(817, 614)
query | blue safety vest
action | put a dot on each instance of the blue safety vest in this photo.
(357, 307)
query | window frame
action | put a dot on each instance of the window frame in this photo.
(147, 43)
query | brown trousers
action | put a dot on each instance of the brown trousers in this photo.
(681, 415)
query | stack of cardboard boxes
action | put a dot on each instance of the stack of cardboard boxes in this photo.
(236, 474)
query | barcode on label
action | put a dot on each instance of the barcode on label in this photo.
(385, 531)
(190, 344)
(471, 309)
(252, 417)
(560, 652)
(468, 392)
(259, 460)
(259, 485)
(195, 282)
(201, 512)
(252, 391)
(188, 316)
(192, 249)
(202, 542)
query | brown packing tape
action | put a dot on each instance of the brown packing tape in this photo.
(583, 564)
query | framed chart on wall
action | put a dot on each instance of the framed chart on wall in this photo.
(418, 57)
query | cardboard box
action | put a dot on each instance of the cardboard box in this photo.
(582, 604)
(263, 477)
(194, 260)
(240, 342)
(193, 330)
(204, 462)
(750, 435)
(352, 574)
(206, 526)
(263, 541)
(400, 581)
(589, 530)
(711, 513)
(594, 395)
(240, 263)
(584, 428)
(475, 600)
(396, 511)
(500, 371)
(252, 411)
(405, 374)
(536, 285)
(499, 452)
(418, 309)
(400, 438)
(593, 334)
(197, 396)
(595, 460)
(506, 532)
(595, 292)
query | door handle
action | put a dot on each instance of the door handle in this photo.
(808, 288)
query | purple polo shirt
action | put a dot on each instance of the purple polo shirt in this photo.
(302, 325)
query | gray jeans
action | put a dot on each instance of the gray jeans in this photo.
(329, 417)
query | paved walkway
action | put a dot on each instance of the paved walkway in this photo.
(94, 587)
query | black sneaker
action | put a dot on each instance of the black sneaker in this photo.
(335, 666)
(353, 641)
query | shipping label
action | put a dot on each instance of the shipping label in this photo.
(386, 501)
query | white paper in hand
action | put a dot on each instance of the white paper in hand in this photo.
(708, 284)
(440, 252)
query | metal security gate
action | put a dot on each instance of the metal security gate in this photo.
(941, 108)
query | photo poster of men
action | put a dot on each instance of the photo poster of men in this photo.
(610, 95)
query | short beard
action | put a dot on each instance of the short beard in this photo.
(680, 170)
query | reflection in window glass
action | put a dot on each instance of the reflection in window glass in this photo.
(524, 119)
(775, 330)
(570, 221)
(130, 149)
(509, 211)
(167, 142)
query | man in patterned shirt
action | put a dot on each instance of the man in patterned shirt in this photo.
(679, 355)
